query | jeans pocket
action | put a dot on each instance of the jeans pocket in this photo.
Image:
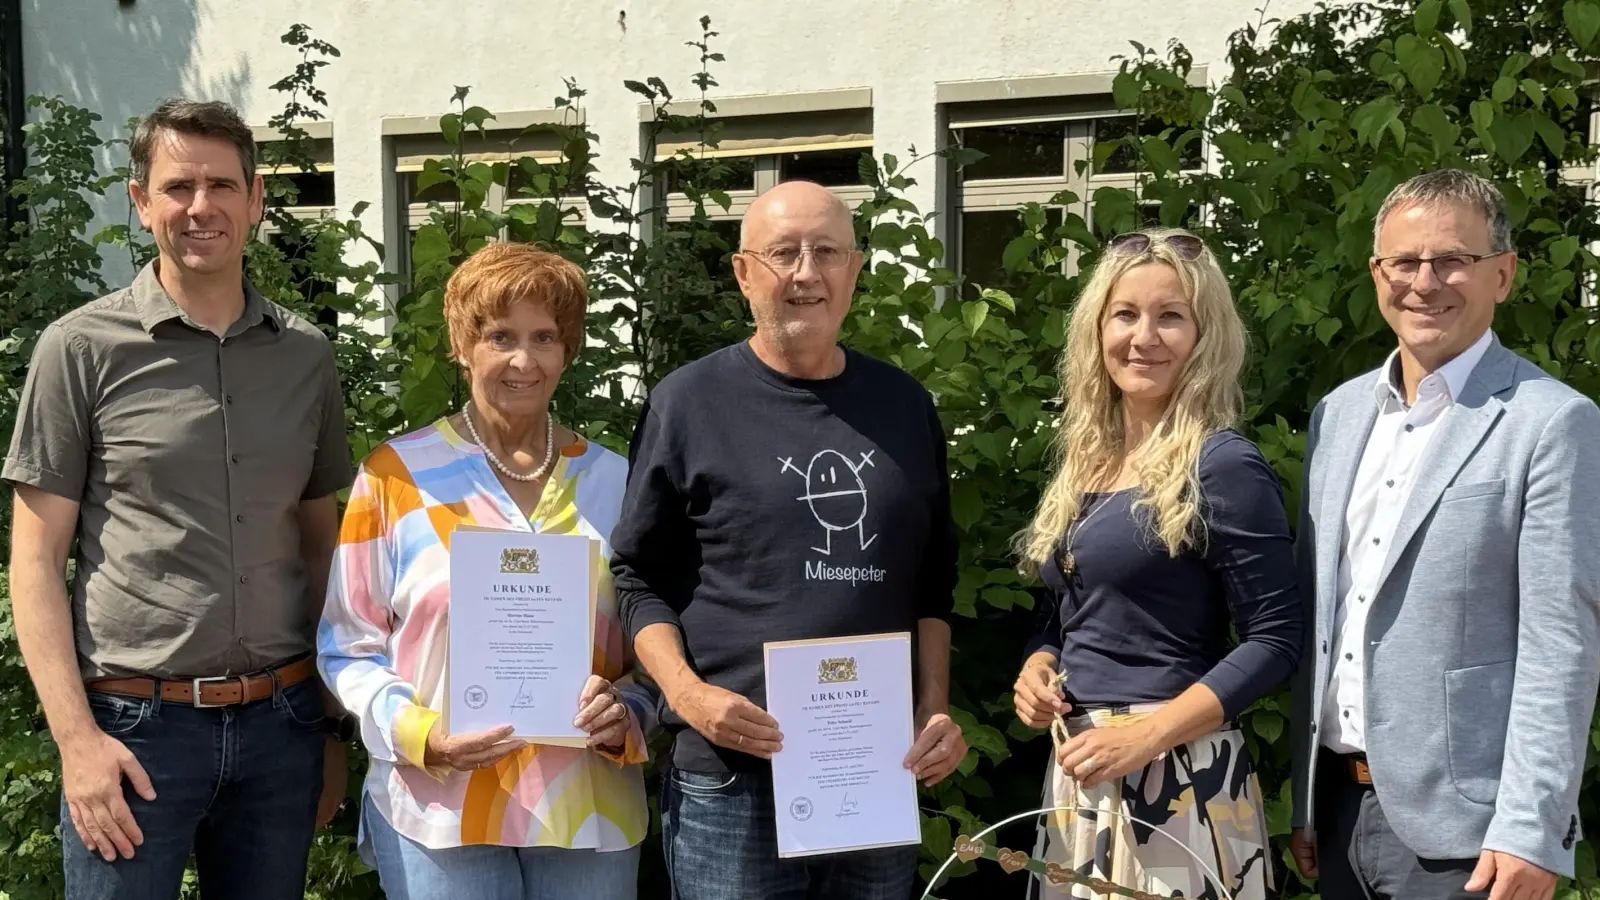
(302, 704)
(704, 783)
(117, 715)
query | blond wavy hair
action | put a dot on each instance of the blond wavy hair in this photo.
(1206, 399)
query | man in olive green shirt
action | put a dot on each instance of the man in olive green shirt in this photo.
(189, 435)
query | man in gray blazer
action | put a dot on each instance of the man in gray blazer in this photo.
(1449, 553)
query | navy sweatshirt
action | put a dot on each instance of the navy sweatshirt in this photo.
(762, 507)
(1136, 625)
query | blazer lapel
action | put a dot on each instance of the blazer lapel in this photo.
(1344, 444)
(1464, 428)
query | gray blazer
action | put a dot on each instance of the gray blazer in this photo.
(1483, 641)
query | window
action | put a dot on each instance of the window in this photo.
(527, 142)
(1026, 150)
(311, 189)
(300, 193)
(302, 196)
(731, 174)
(829, 168)
(985, 234)
(755, 152)
(420, 198)
(511, 145)
(1125, 158)
(1035, 150)
(295, 249)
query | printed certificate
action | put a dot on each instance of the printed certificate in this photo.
(521, 632)
(844, 706)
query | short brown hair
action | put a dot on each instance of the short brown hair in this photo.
(503, 273)
(211, 119)
(1452, 186)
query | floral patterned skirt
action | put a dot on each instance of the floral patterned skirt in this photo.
(1202, 795)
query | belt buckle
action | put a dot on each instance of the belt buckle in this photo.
(1360, 771)
(195, 686)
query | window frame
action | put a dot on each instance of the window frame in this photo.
(766, 128)
(1077, 115)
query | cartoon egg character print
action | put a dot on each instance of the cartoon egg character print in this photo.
(835, 494)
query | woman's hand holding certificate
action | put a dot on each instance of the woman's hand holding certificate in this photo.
(522, 609)
(465, 752)
(603, 715)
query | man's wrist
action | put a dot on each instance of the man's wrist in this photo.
(930, 707)
(78, 729)
(681, 683)
(70, 740)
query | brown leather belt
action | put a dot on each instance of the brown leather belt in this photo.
(222, 690)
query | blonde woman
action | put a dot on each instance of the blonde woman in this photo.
(1161, 530)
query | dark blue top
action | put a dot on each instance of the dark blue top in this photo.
(1135, 625)
(762, 507)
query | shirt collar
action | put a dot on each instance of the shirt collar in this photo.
(156, 306)
(1450, 377)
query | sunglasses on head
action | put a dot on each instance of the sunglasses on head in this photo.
(1186, 246)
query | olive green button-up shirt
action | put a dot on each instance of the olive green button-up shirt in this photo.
(189, 455)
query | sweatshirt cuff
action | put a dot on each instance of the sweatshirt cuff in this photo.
(1036, 643)
(1232, 687)
(412, 725)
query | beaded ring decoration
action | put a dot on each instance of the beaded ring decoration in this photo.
(969, 848)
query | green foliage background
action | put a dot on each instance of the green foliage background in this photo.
(1314, 121)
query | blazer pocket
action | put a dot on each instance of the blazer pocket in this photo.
(1493, 488)
(1477, 703)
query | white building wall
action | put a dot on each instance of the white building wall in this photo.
(403, 57)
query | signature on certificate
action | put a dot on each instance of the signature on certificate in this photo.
(525, 696)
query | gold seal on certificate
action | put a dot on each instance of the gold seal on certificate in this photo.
(522, 609)
(844, 706)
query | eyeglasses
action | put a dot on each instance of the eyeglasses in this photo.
(1186, 246)
(1451, 268)
(786, 258)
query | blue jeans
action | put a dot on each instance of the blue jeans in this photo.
(410, 871)
(237, 786)
(721, 843)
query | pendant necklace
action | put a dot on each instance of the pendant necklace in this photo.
(1071, 561)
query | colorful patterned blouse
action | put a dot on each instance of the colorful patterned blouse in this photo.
(382, 643)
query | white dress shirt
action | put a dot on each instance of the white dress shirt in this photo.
(1384, 478)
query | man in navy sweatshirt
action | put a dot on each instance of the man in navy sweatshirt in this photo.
(786, 488)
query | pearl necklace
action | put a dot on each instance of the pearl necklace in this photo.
(549, 448)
